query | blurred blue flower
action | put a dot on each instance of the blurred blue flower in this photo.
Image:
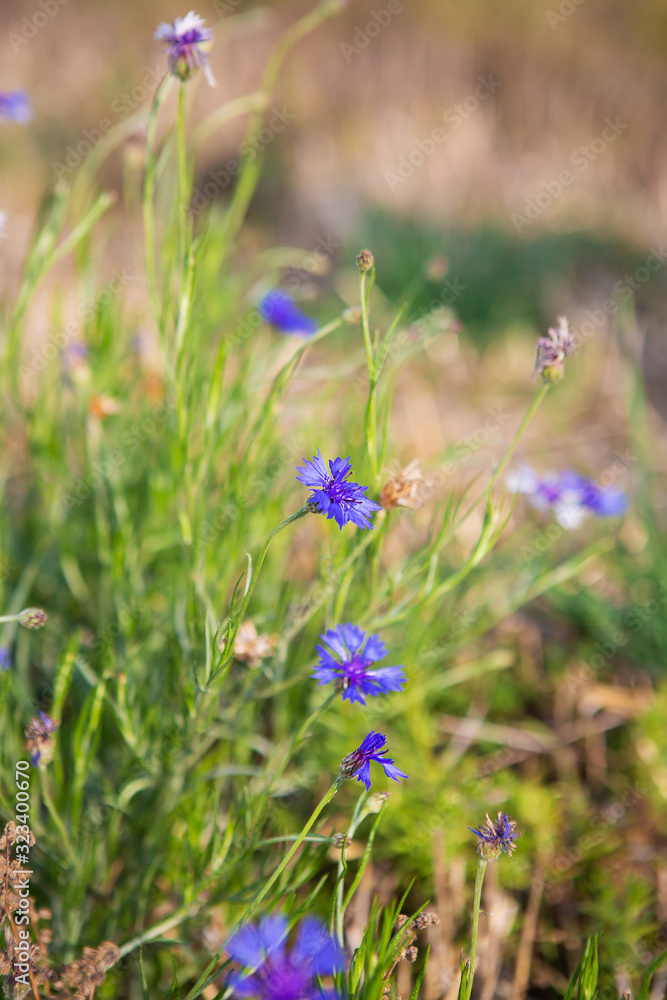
(496, 838)
(333, 495)
(357, 764)
(16, 106)
(188, 46)
(276, 975)
(569, 495)
(5, 658)
(278, 309)
(353, 653)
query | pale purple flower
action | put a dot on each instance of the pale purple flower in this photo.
(569, 495)
(346, 658)
(334, 495)
(5, 658)
(188, 45)
(552, 351)
(15, 106)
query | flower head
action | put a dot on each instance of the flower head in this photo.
(16, 106)
(365, 261)
(358, 763)
(403, 489)
(188, 45)
(278, 309)
(552, 351)
(250, 647)
(32, 618)
(41, 743)
(333, 495)
(275, 974)
(5, 658)
(346, 657)
(496, 838)
(569, 495)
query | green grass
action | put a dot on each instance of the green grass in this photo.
(182, 776)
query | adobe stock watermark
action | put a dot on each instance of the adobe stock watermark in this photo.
(623, 289)
(217, 180)
(363, 35)
(453, 117)
(580, 160)
(635, 619)
(122, 107)
(85, 312)
(31, 26)
(565, 9)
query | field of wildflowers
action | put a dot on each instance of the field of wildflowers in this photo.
(289, 708)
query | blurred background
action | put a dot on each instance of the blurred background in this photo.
(527, 137)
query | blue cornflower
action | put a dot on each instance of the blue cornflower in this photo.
(333, 495)
(16, 106)
(277, 975)
(358, 763)
(188, 46)
(278, 309)
(5, 658)
(351, 669)
(569, 495)
(496, 838)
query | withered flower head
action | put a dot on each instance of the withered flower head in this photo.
(552, 351)
(41, 742)
(86, 974)
(403, 489)
(249, 647)
(496, 838)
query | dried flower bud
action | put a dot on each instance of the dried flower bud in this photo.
(423, 920)
(365, 261)
(250, 647)
(403, 489)
(401, 921)
(436, 268)
(32, 618)
(375, 802)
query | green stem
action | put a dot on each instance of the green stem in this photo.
(55, 816)
(148, 207)
(370, 418)
(468, 975)
(532, 409)
(238, 618)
